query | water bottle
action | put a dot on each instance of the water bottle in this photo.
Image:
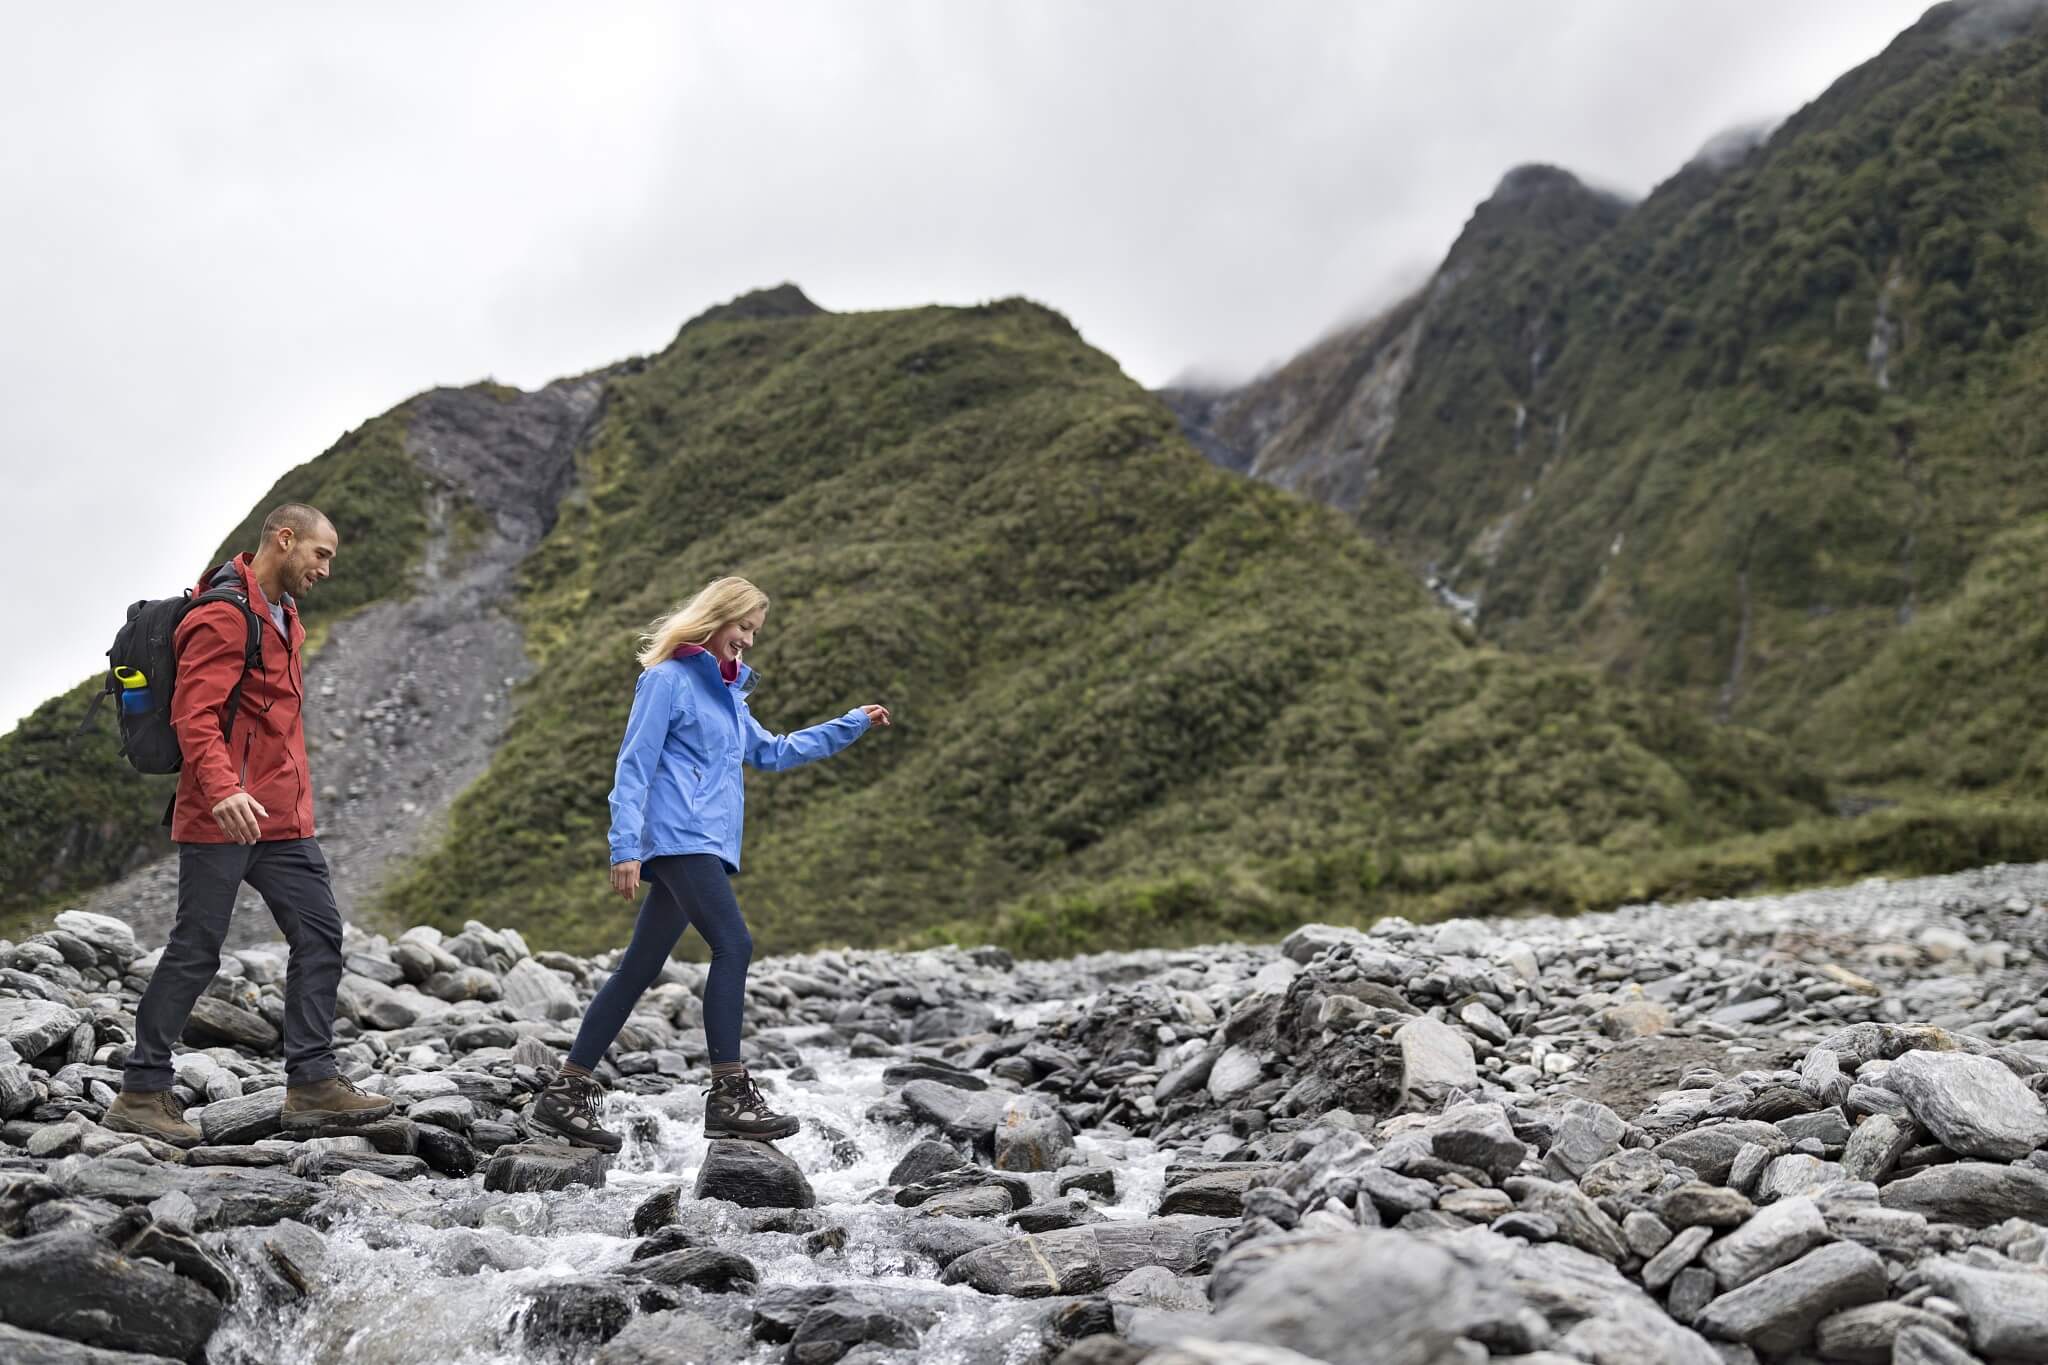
(134, 690)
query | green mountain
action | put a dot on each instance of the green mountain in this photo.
(1769, 441)
(1137, 698)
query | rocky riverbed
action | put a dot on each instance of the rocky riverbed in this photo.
(1793, 1129)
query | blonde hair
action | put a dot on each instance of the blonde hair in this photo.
(720, 603)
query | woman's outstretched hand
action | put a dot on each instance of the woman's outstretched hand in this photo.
(877, 715)
(626, 878)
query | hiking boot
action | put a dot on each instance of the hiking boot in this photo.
(332, 1103)
(153, 1114)
(567, 1109)
(734, 1108)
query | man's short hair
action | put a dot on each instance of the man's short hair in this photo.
(301, 518)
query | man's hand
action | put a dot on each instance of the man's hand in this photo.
(626, 878)
(877, 715)
(238, 815)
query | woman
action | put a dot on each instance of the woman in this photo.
(677, 800)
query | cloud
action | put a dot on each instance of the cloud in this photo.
(234, 232)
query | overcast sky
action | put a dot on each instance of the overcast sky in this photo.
(232, 232)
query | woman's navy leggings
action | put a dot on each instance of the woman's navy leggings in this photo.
(682, 889)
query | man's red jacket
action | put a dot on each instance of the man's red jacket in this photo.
(266, 754)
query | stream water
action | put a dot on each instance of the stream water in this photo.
(440, 1271)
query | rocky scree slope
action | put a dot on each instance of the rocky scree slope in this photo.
(1747, 441)
(1803, 1129)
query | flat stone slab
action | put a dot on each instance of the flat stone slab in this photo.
(527, 1166)
(1778, 1312)
(1974, 1193)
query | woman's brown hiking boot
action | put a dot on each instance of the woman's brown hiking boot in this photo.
(567, 1109)
(332, 1103)
(735, 1109)
(150, 1113)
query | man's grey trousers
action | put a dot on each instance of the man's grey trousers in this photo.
(291, 876)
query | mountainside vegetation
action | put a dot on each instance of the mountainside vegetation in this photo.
(1770, 441)
(1106, 659)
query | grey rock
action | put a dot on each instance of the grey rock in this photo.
(32, 1027)
(2007, 1311)
(1218, 1193)
(962, 1115)
(711, 1269)
(1698, 1205)
(1588, 1134)
(1973, 1106)
(924, 1160)
(1864, 1335)
(249, 1118)
(537, 992)
(754, 1175)
(1645, 1233)
(1875, 1146)
(218, 1022)
(1663, 1267)
(1188, 1077)
(1032, 1135)
(111, 939)
(72, 1284)
(1085, 1259)
(1973, 1193)
(528, 1166)
(1748, 1167)
(1780, 1234)
(1580, 1222)
(1710, 1150)
(1233, 1073)
(975, 1201)
(19, 1347)
(1435, 1060)
(1478, 1135)
(1922, 1345)
(1795, 1173)
(1692, 1289)
(1778, 1311)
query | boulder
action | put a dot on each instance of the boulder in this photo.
(70, 1283)
(1435, 1060)
(545, 1166)
(754, 1175)
(1973, 1106)
(32, 1027)
(1778, 1311)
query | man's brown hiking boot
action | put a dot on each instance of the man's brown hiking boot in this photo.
(333, 1103)
(152, 1114)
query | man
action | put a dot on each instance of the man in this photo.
(244, 813)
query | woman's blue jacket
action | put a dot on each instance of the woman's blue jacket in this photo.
(678, 786)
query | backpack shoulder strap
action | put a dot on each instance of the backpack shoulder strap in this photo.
(252, 653)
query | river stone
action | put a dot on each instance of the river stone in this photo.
(1694, 1204)
(1580, 1221)
(1219, 1193)
(111, 939)
(1864, 1335)
(1783, 1232)
(1778, 1311)
(827, 1333)
(1677, 1254)
(1875, 1146)
(755, 1175)
(1233, 1073)
(1435, 1060)
(1478, 1135)
(446, 1150)
(1366, 1299)
(1032, 1136)
(704, 1328)
(976, 1201)
(710, 1269)
(1588, 1134)
(70, 1283)
(18, 1347)
(527, 1166)
(925, 1069)
(249, 1118)
(537, 992)
(217, 1022)
(2007, 1311)
(1085, 1259)
(1974, 1193)
(1973, 1106)
(926, 1158)
(1188, 1077)
(1921, 1345)
(966, 1116)
(1710, 1150)
(32, 1027)
(566, 1314)
(225, 1196)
